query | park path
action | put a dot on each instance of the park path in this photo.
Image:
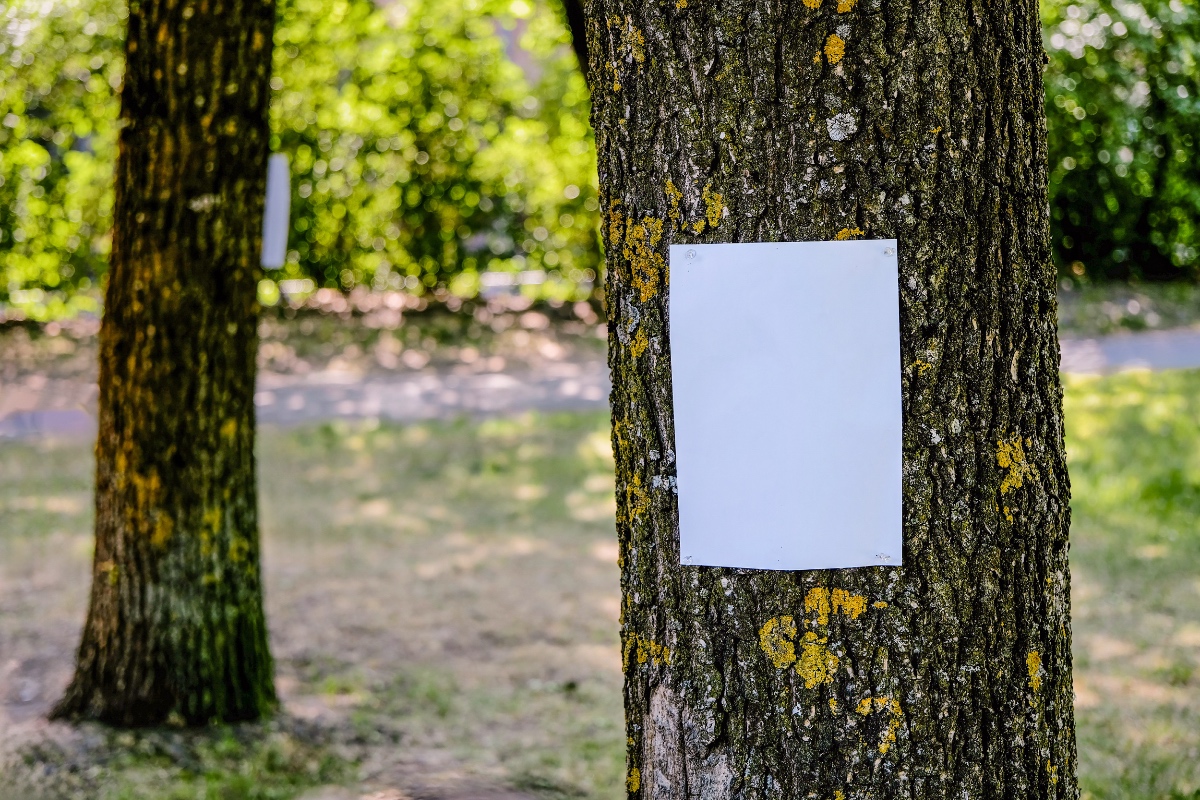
(62, 407)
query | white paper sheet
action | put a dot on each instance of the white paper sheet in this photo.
(785, 364)
(276, 211)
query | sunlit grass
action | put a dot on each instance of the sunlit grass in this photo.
(443, 601)
(1133, 444)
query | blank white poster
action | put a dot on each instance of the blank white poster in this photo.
(785, 363)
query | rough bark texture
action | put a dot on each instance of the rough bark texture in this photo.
(794, 120)
(175, 629)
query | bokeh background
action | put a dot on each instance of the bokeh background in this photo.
(433, 144)
(441, 572)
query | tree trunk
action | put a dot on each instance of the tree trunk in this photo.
(175, 629)
(796, 120)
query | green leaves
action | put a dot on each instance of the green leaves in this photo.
(430, 142)
(59, 66)
(1122, 95)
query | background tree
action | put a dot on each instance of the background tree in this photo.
(807, 120)
(175, 627)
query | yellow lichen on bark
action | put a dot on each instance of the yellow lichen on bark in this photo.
(835, 48)
(630, 38)
(637, 43)
(873, 704)
(813, 3)
(824, 602)
(646, 650)
(239, 548)
(646, 264)
(146, 489)
(846, 5)
(636, 500)
(816, 664)
(1033, 663)
(634, 781)
(817, 600)
(1010, 455)
(775, 638)
(714, 206)
(620, 430)
(674, 196)
(210, 526)
(616, 222)
(852, 605)
(638, 345)
(846, 233)
(163, 527)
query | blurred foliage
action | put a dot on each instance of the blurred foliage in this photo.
(434, 142)
(430, 142)
(59, 66)
(1123, 101)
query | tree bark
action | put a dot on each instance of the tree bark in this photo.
(175, 628)
(796, 120)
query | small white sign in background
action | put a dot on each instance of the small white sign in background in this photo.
(276, 211)
(785, 363)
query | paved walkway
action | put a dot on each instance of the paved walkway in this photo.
(1153, 350)
(62, 408)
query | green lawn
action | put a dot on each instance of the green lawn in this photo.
(443, 603)
(1133, 443)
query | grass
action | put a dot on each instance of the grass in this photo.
(1134, 453)
(443, 605)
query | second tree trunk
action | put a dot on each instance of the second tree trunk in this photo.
(175, 629)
